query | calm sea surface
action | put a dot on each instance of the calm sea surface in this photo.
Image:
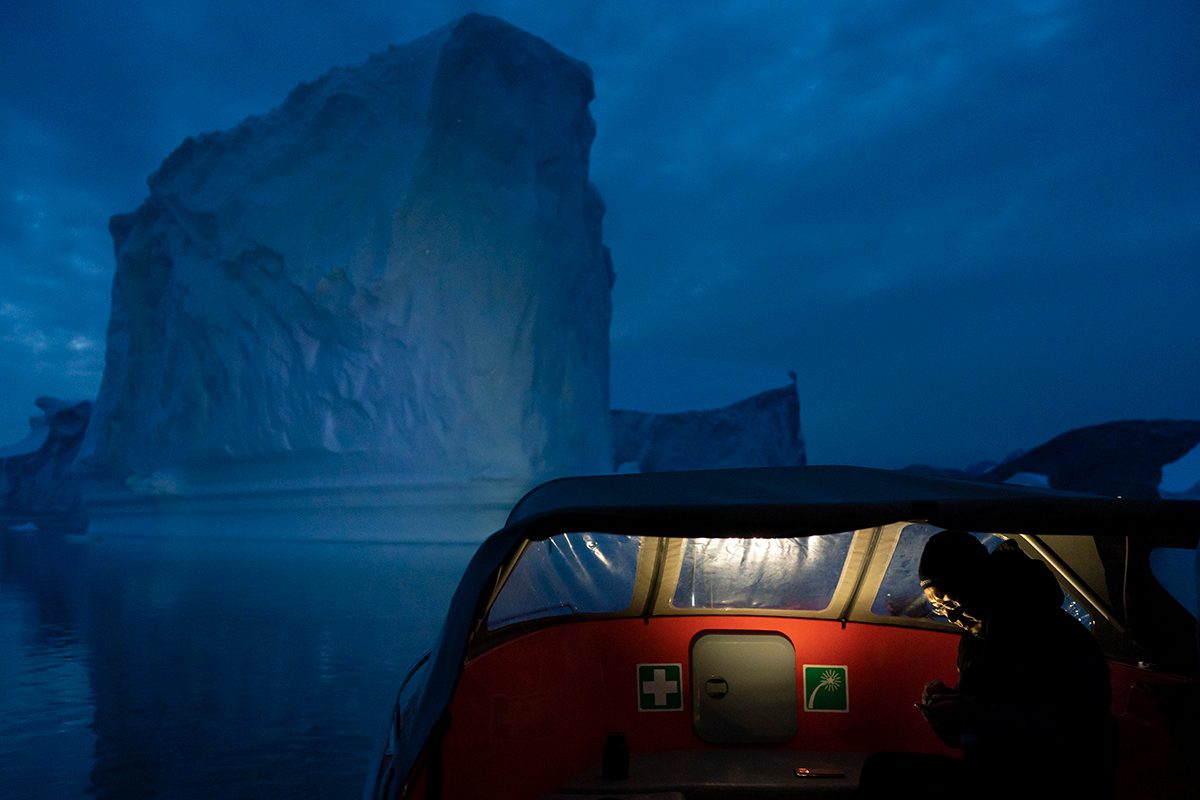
(142, 667)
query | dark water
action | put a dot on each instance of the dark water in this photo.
(138, 668)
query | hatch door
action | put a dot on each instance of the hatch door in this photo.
(744, 687)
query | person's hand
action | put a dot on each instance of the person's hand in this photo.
(934, 691)
(944, 713)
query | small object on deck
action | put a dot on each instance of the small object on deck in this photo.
(809, 772)
(614, 762)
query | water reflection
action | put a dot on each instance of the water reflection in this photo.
(46, 701)
(167, 668)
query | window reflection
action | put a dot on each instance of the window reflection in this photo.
(570, 573)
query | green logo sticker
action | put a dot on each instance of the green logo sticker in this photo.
(660, 687)
(826, 687)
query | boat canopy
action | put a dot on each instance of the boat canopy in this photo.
(829, 499)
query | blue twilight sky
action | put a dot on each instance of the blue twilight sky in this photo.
(967, 227)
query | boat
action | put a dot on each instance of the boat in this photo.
(759, 633)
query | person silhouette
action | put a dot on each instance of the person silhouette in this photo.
(1030, 711)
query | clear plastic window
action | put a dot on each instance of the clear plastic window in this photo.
(794, 574)
(570, 573)
(900, 592)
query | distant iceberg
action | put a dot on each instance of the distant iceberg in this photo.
(36, 473)
(759, 431)
(1123, 458)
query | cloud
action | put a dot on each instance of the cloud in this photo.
(927, 167)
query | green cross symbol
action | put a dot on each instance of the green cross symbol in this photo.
(826, 687)
(660, 687)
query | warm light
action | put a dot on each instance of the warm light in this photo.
(760, 572)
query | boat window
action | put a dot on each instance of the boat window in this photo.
(1078, 611)
(570, 573)
(900, 592)
(797, 574)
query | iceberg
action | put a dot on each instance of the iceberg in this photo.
(36, 475)
(394, 279)
(1123, 458)
(760, 431)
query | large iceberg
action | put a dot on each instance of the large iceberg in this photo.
(396, 275)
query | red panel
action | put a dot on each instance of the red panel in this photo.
(1150, 745)
(535, 712)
